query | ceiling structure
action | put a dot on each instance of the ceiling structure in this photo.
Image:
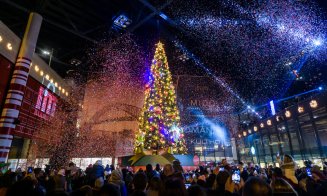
(71, 27)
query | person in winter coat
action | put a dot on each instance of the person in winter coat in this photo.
(168, 173)
(150, 173)
(178, 169)
(288, 168)
(116, 178)
(97, 172)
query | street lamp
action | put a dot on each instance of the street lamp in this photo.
(48, 53)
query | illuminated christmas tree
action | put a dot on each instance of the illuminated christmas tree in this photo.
(159, 124)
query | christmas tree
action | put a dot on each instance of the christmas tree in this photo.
(159, 124)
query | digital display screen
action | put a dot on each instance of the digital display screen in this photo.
(46, 103)
(309, 172)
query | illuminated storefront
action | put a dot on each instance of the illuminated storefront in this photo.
(300, 130)
(45, 89)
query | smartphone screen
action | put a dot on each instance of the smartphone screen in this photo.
(29, 170)
(221, 168)
(236, 178)
(309, 172)
(187, 185)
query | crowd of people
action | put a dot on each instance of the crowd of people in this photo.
(223, 179)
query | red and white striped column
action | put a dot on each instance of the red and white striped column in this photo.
(18, 82)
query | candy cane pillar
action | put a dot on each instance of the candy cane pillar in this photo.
(18, 81)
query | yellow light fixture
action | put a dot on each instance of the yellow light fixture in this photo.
(313, 104)
(47, 77)
(268, 122)
(0, 38)
(63, 90)
(9, 46)
(41, 73)
(300, 109)
(36, 68)
(60, 88)
(262, 125)
(56, 84)
(66, 93)
(255, 128)
(288, 114)
(51, 80)
(249, 131)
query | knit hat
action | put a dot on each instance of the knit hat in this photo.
(288, 162)
(116, 176)
(98, 162)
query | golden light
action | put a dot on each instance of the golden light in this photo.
(244, 133)
(255, 128)
(269, 122)
(41, 73)
(36, 68)
(0, 38)
(288, 114)
(60, 88)
(300, 109)
(9, 46)
(63, 90)
(262, 125)
(56, 84)
(313, 104)
(47, 77)
(51, 80)
(249, 131)
(66, 93)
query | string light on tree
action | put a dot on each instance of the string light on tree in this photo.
(159, 124)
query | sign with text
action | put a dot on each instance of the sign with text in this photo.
(205, 113)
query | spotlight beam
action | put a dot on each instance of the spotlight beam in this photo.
(220, 81)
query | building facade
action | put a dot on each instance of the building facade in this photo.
(45, 89)
(299, 130)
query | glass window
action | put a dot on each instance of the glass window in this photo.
(304, 118)
(292, 126)
(284, 140)
(285, 143)
(310, 141)
(266, 146)
(274, 144)
(321, 126)
(320, 112)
